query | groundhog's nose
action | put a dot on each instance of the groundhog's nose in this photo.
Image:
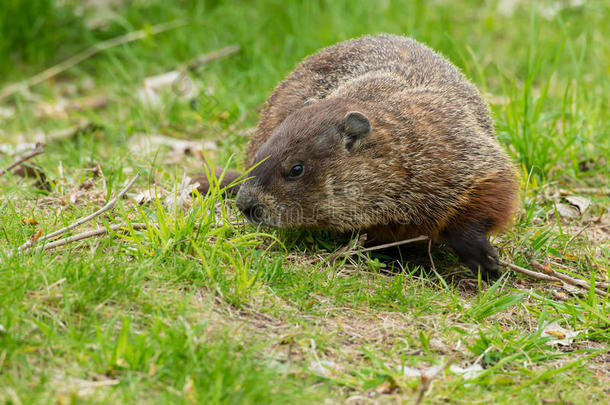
(249, 205)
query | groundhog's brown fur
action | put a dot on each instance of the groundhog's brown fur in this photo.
(392, 140)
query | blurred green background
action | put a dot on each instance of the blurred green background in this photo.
(542, 65)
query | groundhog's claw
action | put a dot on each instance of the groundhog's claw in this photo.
(475, 251)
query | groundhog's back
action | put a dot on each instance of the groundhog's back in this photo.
(410, 63)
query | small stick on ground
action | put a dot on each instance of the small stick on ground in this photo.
(551, 275)
(38, 149)
(81, 221)
(430, 255)
(570, 280)
(529, 273)
(349, 249)
(426, 380)
(576, 235)
(212, 56)
(398, 243)
(88, 234)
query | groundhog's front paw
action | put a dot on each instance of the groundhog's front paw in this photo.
(488, 263)
(484, 261)
(474, 250)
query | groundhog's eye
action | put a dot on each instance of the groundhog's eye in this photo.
(296, 171)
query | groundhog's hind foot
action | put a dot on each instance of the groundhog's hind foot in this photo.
(475, 251)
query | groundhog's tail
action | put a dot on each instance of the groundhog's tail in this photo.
(224, 180)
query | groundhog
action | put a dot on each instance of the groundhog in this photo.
(382, 135)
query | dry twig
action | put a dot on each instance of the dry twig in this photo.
(89, 234)
(397, 243)
(87, 53)
(349, 250)
(548, 274)
(430, 255)
(212, 56)
(38, 149)
(570, 280)
(529, 273)
(426, 380)
(81, 221)
(576, 235)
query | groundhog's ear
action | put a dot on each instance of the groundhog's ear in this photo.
(309, 101)
(355, 127)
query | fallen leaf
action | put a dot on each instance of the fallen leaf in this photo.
(427, 373)
(179, 83)
(468, 373)
(564, 337)
(144, 197)
(56, 109)
(581, 203)
(62, 107)
(568, 211)
(323, 368)
(182, 196)
(411, 372)
(10, 149)
(279, 366)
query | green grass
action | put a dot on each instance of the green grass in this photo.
(201, 307)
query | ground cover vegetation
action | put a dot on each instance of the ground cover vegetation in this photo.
(181, 300)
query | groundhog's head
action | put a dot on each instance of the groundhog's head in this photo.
(309, 172)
